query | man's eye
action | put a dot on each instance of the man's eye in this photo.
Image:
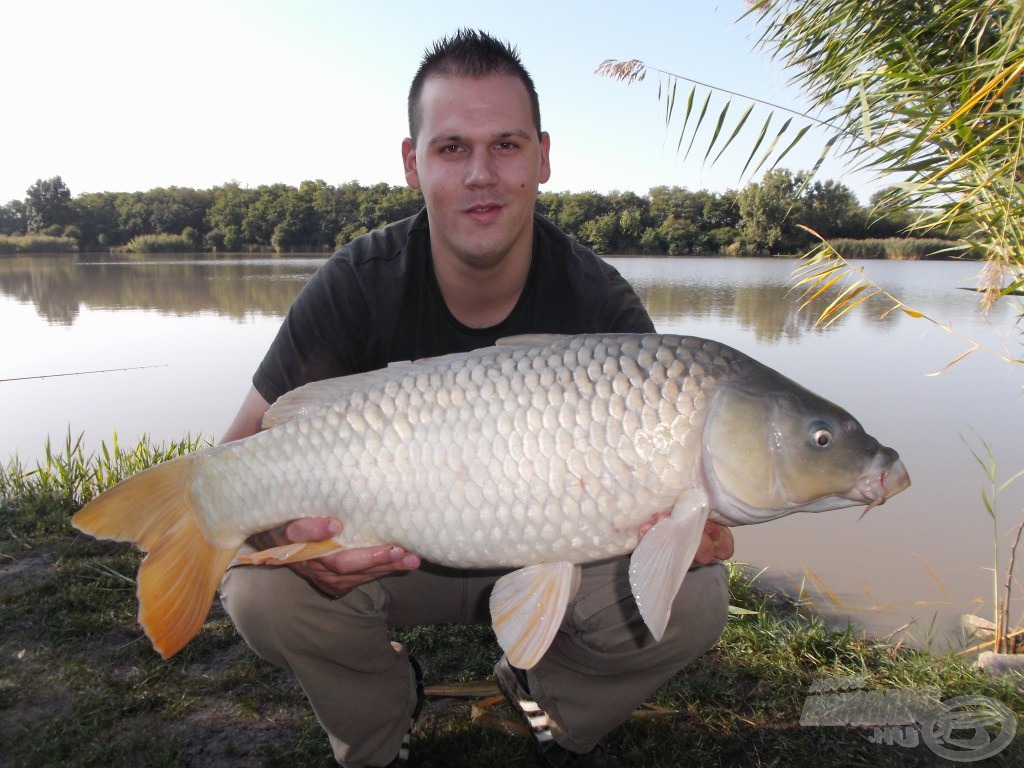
(506, 145)
(449, 149)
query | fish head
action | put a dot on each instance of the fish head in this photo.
(772, 448)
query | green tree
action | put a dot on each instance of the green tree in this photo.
(832, 210)
(632, 214)
(398, 203)
(170, 210)
(192, 235)
(632, 225)
(577, 208)
(768, 211)
(601, 234)
(132, 215)
(548, 204)
(264, 214)
(677, 235)
(96, 215)
(666, 202)
(232, 239)
(300, 227)
(350, 198)
(47, 204)
(227, 211)
(720, 222)
(13, 220)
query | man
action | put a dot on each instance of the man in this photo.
(477, 265)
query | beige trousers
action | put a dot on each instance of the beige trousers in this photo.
(602, 665)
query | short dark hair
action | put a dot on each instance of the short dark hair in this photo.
(469, 53)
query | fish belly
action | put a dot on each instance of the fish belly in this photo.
(529, 454)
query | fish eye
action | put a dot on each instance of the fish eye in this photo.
(821, 435)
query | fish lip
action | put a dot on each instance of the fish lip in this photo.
(880, 483)
(869, 489)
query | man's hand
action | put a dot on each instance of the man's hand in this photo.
(716, 544)
(336, 575)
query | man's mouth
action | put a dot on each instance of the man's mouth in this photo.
(484, 213)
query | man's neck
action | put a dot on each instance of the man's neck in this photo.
(482, 296)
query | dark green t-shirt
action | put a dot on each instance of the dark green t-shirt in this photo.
(376, 301)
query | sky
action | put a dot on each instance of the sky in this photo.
(121, 96)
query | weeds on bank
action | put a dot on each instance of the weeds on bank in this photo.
(14, 244)
(40, 501)
(80, 685)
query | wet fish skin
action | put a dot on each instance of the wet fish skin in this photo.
(544, 452)
(521, 454)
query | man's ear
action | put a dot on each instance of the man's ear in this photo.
(545, 157)
(412, 177)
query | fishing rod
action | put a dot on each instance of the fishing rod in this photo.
(83, 373)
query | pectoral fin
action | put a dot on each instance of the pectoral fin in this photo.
(527, 607)
(291, 553)
(660, 563)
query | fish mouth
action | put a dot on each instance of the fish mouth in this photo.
(884, 479)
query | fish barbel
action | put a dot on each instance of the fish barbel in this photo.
(541, 453)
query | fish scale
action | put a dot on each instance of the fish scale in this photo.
(530, 443)
(539, 454)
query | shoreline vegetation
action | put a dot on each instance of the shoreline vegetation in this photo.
(81, 685)
(777, 216)
(892, 248)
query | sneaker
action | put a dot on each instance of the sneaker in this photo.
(550, 754)
(402, 759)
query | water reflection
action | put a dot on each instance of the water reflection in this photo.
(761, 295)
(59, 286)
(231, 286)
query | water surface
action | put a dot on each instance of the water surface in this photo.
(194, 328)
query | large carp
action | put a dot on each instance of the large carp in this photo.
(544, 452)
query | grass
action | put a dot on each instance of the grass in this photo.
(10, 244)
(80, 685)
(161, 244)
(898, 248)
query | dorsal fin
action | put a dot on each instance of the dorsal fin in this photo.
(529, 340)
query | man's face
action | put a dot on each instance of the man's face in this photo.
(478, 161)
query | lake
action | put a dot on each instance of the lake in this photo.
(188, 331)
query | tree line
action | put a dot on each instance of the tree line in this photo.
(760, 219)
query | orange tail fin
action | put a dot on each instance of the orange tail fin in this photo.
(178, 578)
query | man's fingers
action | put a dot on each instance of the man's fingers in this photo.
(720, 541)
(385, 558)
(336, 575)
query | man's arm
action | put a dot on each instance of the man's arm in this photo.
(336, 574)
(249, 419)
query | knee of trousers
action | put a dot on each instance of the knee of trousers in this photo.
(607, 625)
(280, 616)
(699, 612)
(255, 600)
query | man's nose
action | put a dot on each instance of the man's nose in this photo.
(480, 171)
